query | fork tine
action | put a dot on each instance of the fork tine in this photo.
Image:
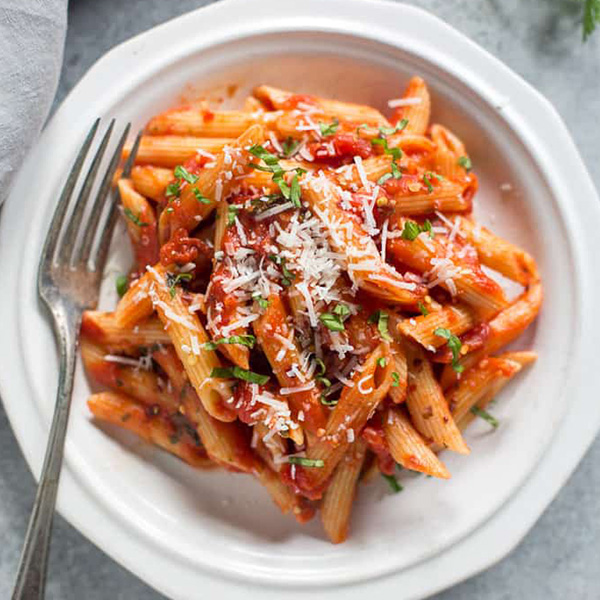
(66, 249)
(100, 258)
(63, 202)
(99, 202)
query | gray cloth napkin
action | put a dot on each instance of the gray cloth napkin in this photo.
(32, 36)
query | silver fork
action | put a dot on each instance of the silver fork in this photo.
(69, 276)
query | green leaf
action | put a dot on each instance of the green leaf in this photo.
(485, 415)
(323, 381)
(423, 309)
(381, 318)
(465, 163)
(393, 483)
(329, 129)
(134, 218)
(306, 462)
(332, 322)
(385, 131)
(320, 366)
(454, 344)
(244, 340)
(395, 379)
(182, 173)
(264, 155)
(173, 190)
(384, 178)
(200, 197)
(122, 285)
(289, 146)
(382, 361)
(341, 309)
(396, 153)
(412, 230)
(326, 402)
(262, 302)
(295, 192)
(232, 212)
(174, 280)
(239, 373)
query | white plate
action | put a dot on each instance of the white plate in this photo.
(194, 535)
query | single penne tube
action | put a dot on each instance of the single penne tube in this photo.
(128, 376)
(102, 328)
(448, 153)
(356, 404)
(201, 122)
(414, 106)
(275, 336)
(467, 283)
(198, 200)
(159, 430)
(456, 318)
(141, 222)
(407, 447)
(173, 150)
(344, 111)
(339, 496)
(151, 181)
(188, 336)
(366, 268)
(427, 406)
(503, 329)
(225, 443)
(135, 305)
(497, 253)
(374, 168)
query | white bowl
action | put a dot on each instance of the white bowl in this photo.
(193, 534)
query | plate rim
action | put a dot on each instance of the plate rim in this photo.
(33, 455)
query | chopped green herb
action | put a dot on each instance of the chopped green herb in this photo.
(382, 361)
(384, 178)
(134, 219)
(288, 276)
(306, 462)
(262, 302)
(173, 190)
(341, 309)
(396, 171)
(395, 379)
(289, 146)
(485, 415)
(326, 402)
(329, 129)
(381, 318)
(122, 285)
(331, 321)
(169, 210)
(454, 344)
(174, 280)
(427, 177)
(393, 483)
(232, 213)
(423, 309)
(385, 131)
(395, 153)
(412, 230)
(323, 381)
(362, 126)
(200, 197)
(182, 173)
(320, 366)
(465, 163)
(295, 192)
(264, 155)
(244, 340)
(239, 373)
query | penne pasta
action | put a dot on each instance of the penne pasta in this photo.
(427, 406)
(173, 150)
(151, 181)
(337, 501)
(407, 447)
(414, 106)
(135, 305)
(119, 410)
(140, 219)
(102, 328)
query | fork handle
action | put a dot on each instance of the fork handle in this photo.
(31, 574)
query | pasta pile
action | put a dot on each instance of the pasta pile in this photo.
(308, 303)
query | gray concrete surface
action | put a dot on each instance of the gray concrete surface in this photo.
(560, 558)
